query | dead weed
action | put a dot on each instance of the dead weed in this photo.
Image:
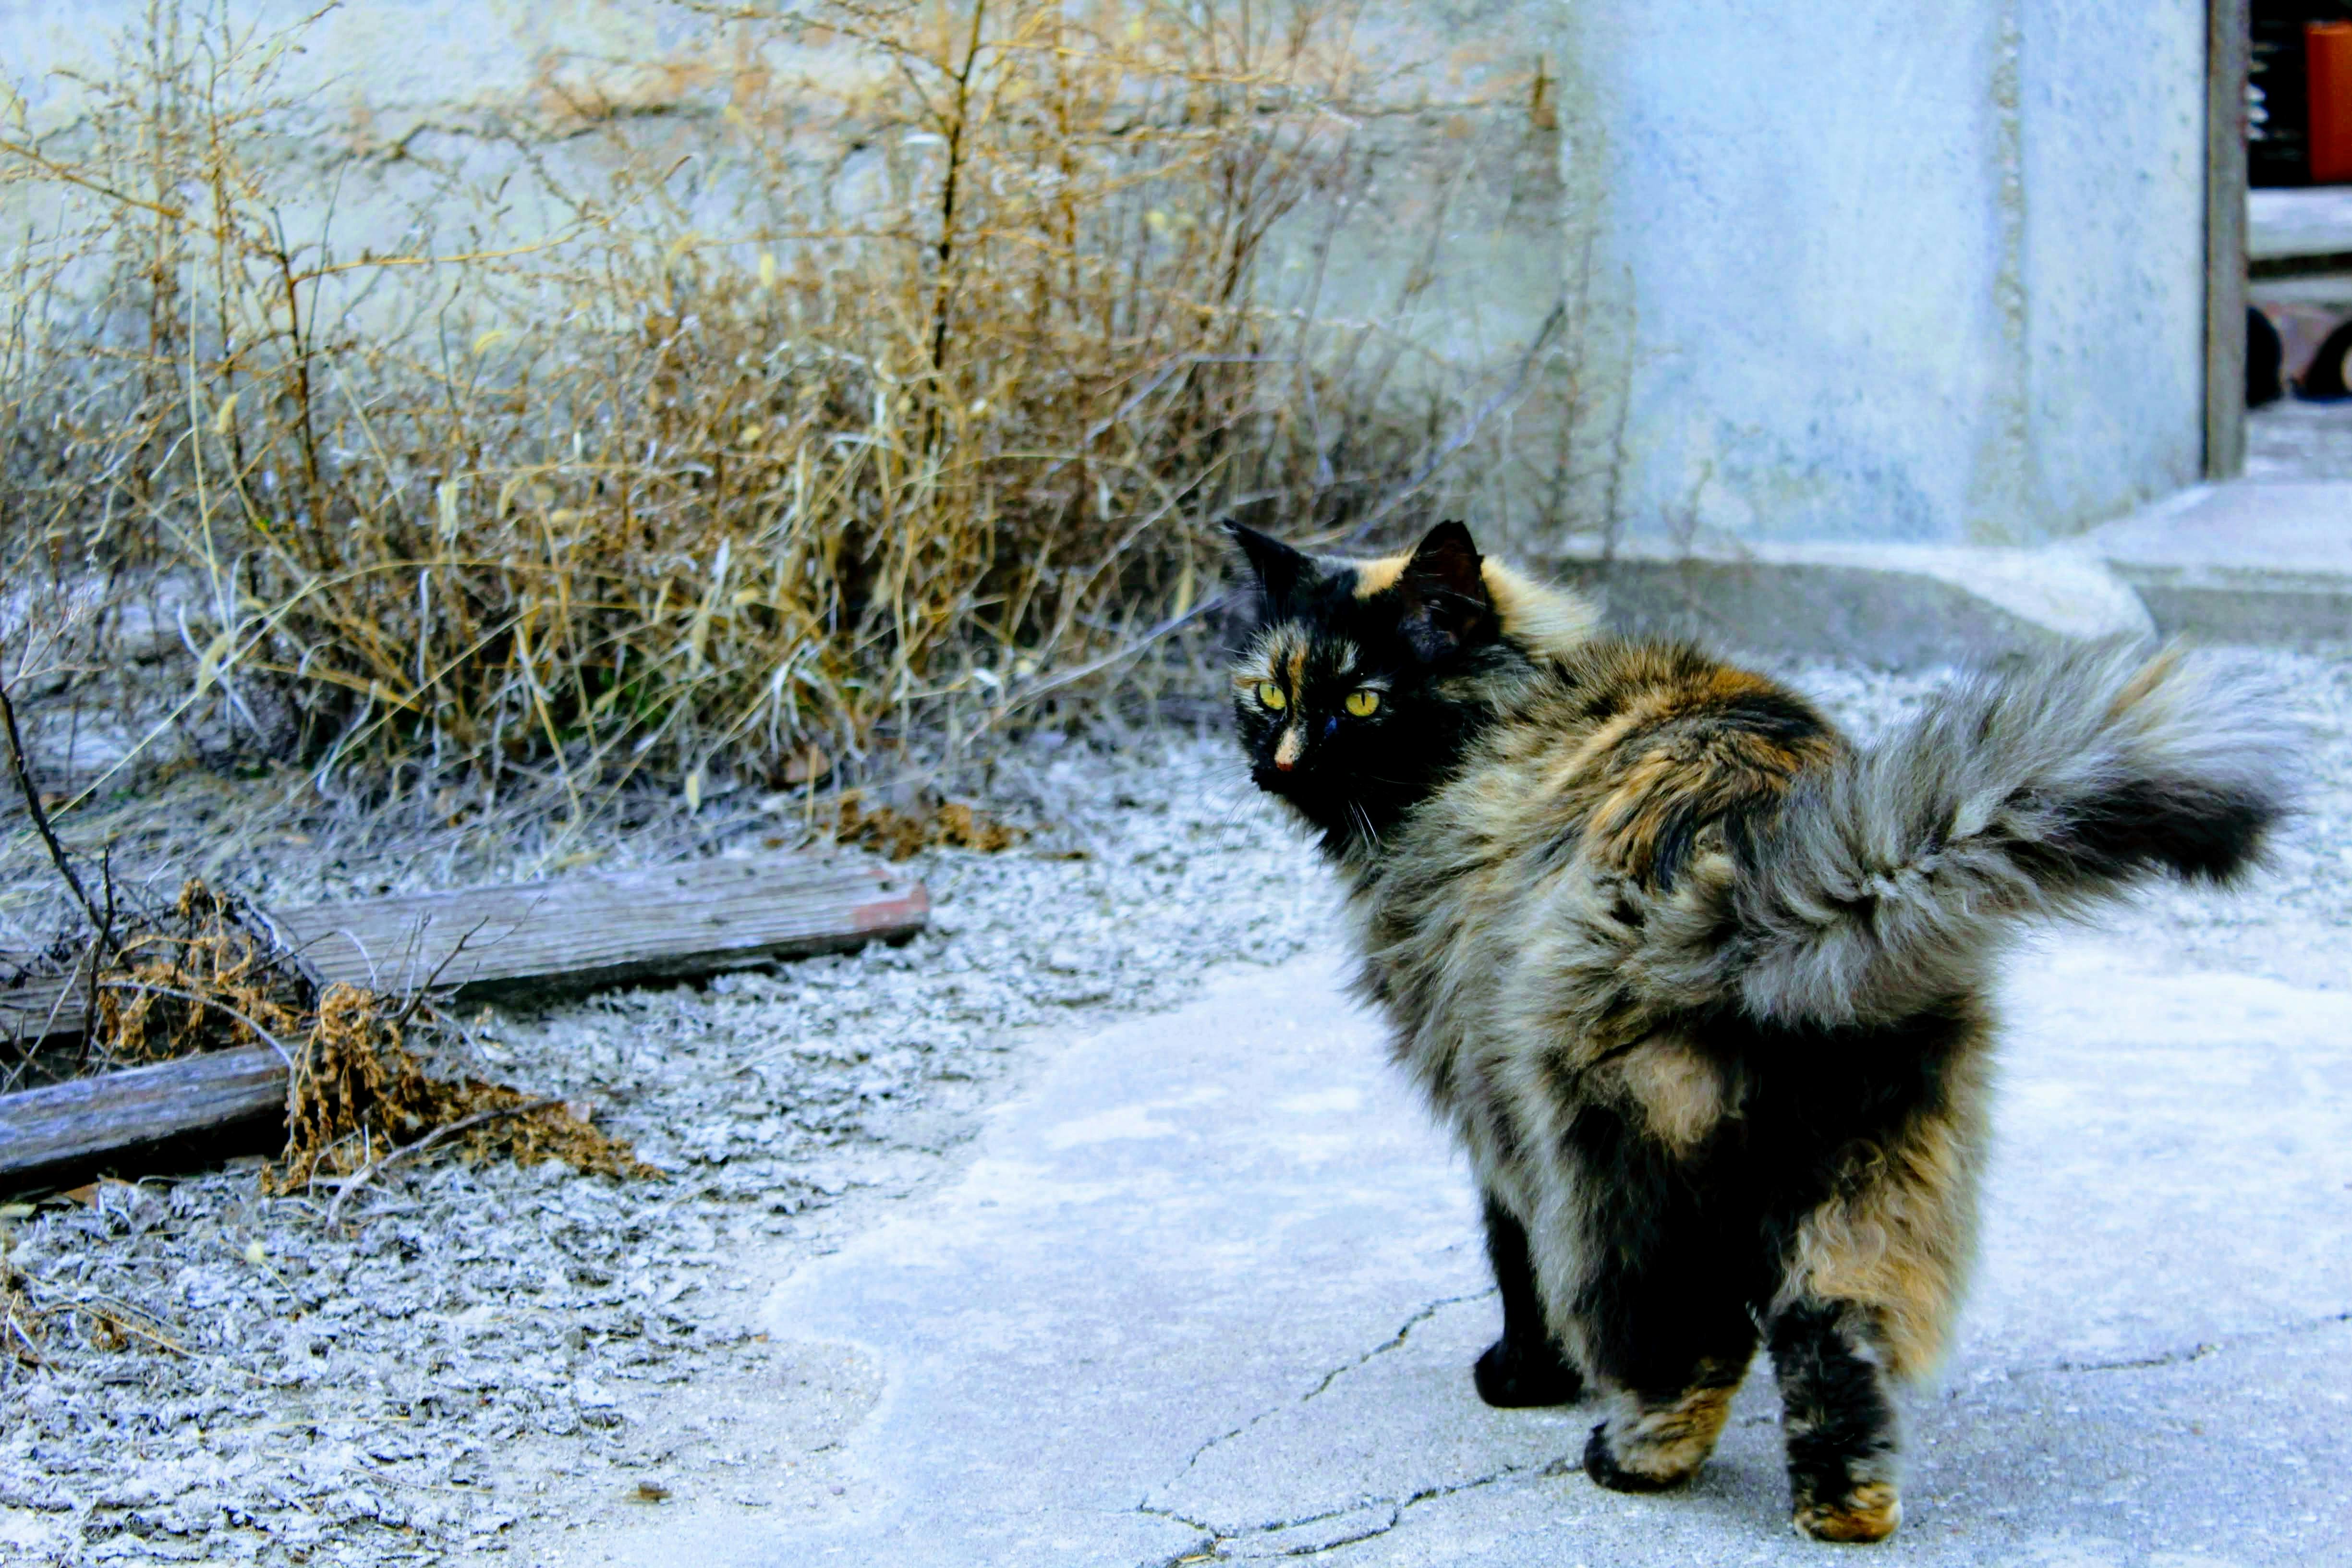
(207, 977)
(212, 974)
(900, 834)
(360, 1093)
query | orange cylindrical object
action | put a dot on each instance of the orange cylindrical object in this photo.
(2328, 65)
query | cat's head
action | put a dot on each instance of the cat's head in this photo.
(1342, 697)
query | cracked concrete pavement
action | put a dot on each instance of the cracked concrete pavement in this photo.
(1211, 1285)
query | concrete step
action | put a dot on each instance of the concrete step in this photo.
(2248, 562)
(2294, 225)
(2259, 562)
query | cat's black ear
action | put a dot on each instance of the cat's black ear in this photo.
(1280, 569)
(1444, 586)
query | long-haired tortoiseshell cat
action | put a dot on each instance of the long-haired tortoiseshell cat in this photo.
(1700, 988)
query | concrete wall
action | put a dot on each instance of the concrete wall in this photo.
(1865, 271)
(1887, 270)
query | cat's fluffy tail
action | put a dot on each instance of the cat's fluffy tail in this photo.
(1888, 880)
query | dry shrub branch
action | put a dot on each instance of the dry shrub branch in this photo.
(204, 976)
(358, 1094)
(902, 395)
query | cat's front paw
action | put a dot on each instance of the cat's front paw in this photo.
(1871, 1511)
(1512, 1379)
(1600, 1462)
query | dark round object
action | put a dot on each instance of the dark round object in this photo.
(2323, 379)
(2265, 357)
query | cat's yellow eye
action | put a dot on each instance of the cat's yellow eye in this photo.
(1271, 695)
(1362, 703)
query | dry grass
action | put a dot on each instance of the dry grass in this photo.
(360, 1094)
(902, 834)
(714, 460)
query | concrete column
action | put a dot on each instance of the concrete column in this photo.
(1885, 271)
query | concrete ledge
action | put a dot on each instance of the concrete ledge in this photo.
(2248, 562)
(2245, 607)
(1891, 605)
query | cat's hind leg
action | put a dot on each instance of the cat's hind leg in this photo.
(1839, 1420)
(1873, 1279)
(1671, 1367)
(1651, 1442)
(1525, 1367)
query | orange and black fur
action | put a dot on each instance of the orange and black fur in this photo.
(1702, 988)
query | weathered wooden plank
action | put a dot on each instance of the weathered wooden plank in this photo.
(42, 1012)
(586, 931)
(572, 932)
(89, 1117)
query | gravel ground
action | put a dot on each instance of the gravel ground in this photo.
(476, 1350)
(479, 1355)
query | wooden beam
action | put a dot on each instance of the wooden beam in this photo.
(2228, 46)
(87, 1116)
(47, 1011)
(571, 933)
(584, 931)
(574, 933)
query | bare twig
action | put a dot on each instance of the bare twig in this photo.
(1553, 321)
(352, 1183)
(1127, 649)
(417, 997)
(93, 960)
(32, 793)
